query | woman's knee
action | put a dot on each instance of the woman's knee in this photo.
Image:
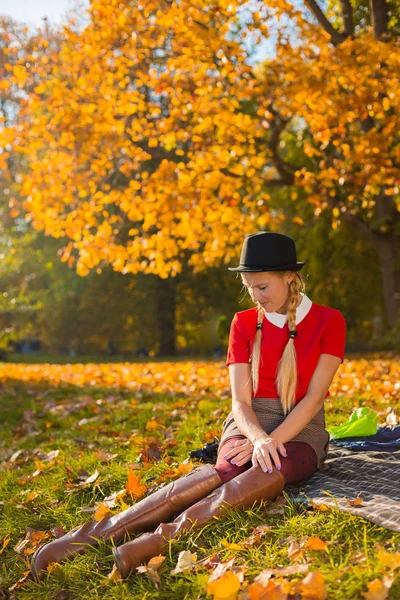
(225, 469)
(300, 463)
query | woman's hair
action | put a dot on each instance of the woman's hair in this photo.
(287, 366)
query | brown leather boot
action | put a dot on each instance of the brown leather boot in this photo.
(240, 492)
(164, 504)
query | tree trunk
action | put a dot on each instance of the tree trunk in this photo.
(389, 256)
(387, 247)
(166, 309)
(379, 16)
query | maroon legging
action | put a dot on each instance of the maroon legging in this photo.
(299, 464)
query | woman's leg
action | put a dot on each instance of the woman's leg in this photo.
(224, 468)
(299, 464)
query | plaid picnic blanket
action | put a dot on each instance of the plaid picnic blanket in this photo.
(346, 473)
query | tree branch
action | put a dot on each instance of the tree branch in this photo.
(347, 14)
(336, 37)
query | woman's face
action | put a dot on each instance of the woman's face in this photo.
(270, 289)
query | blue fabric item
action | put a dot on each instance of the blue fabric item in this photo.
(387, 439)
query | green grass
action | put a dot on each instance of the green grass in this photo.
(37, 418)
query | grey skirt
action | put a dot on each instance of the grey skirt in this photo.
(269, 413)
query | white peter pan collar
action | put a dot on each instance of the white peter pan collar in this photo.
(302, 310)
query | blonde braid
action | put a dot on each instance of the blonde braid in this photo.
(256, 354)
(286, 381)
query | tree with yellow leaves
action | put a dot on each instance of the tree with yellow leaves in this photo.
(153, 139)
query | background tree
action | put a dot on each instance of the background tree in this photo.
(155, 144)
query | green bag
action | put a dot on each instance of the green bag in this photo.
(363, 421)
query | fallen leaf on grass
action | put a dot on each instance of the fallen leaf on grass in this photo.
(18, 583)
(210, 562)
(6, 541)
(224, 588)
(47, 457)
(315, 543)
(258, 533)
(312, 587)
(151, 569)
(389, 559)
(112, 500)
(114, 574)
(269, 589)
(295, 551)
(32, 496)
(281, 572)
(221, 568)
(101, 512)
(378, 589)
(31, 541)
(134, 486)
(89, 480)
(391, 419)
(186, 562)
(232, 546)
(104, 456)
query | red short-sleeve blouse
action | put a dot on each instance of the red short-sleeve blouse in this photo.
(321, 331)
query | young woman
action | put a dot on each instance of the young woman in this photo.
(282, 357)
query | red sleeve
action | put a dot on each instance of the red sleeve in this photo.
(238, 347)
(334, 338)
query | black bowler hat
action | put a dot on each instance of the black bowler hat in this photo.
(267, 251)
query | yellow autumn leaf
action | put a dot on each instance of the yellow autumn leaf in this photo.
(6, 541)
(231, 546)
(184, 468)
(134, 486)
(378, 589)
(101, 511)
(315, 543)
(389, 559)
(312, 587)
(224, 588)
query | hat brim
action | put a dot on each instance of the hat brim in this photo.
(244, 269)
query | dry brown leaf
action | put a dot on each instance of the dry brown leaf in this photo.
(295, 551)
(291, 570)
(391, 420)
(114, 574)
(151, 569)
(18, 583)
(89, 480)
(257, 534)
(31, 541)
(111, 501)
(104, 456)
(210, 562)
(378, 589)
(221, 568)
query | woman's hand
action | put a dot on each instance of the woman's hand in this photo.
(266, 450)
(241, 452)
